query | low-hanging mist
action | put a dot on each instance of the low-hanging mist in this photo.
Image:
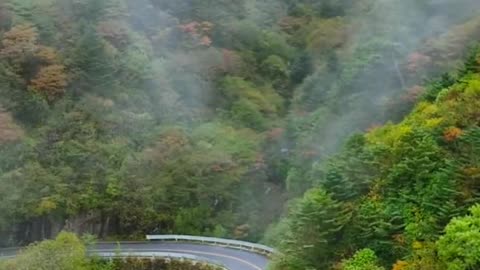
(204, 117)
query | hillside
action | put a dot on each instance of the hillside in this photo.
(399, 190)
(237, 119)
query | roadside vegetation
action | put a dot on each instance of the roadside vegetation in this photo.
(338, 131)
(68, 252)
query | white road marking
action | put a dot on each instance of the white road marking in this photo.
(187, 252)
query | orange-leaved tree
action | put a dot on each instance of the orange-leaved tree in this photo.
(50, 82)
(19, 42)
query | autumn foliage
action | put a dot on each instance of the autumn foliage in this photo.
(18, 42)
(215, 117)
(413, 93)
(400, 265)
(37, 64)
(417, 60)
(199, 32)
(115, 32)
(452, 134)
(46, 55)
(50, 82)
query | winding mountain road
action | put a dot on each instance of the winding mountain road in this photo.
(232, 255)
(232, 259)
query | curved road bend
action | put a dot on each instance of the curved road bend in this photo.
(233, 259)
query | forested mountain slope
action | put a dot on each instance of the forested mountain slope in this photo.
(394, 189)
(125, 117)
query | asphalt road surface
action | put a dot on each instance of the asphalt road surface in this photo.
(233, 259)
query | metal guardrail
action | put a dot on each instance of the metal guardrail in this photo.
(6, 257)
(8, 253)
(157, 255)
(236, 244)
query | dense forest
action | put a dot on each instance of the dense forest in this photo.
(345, 133)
